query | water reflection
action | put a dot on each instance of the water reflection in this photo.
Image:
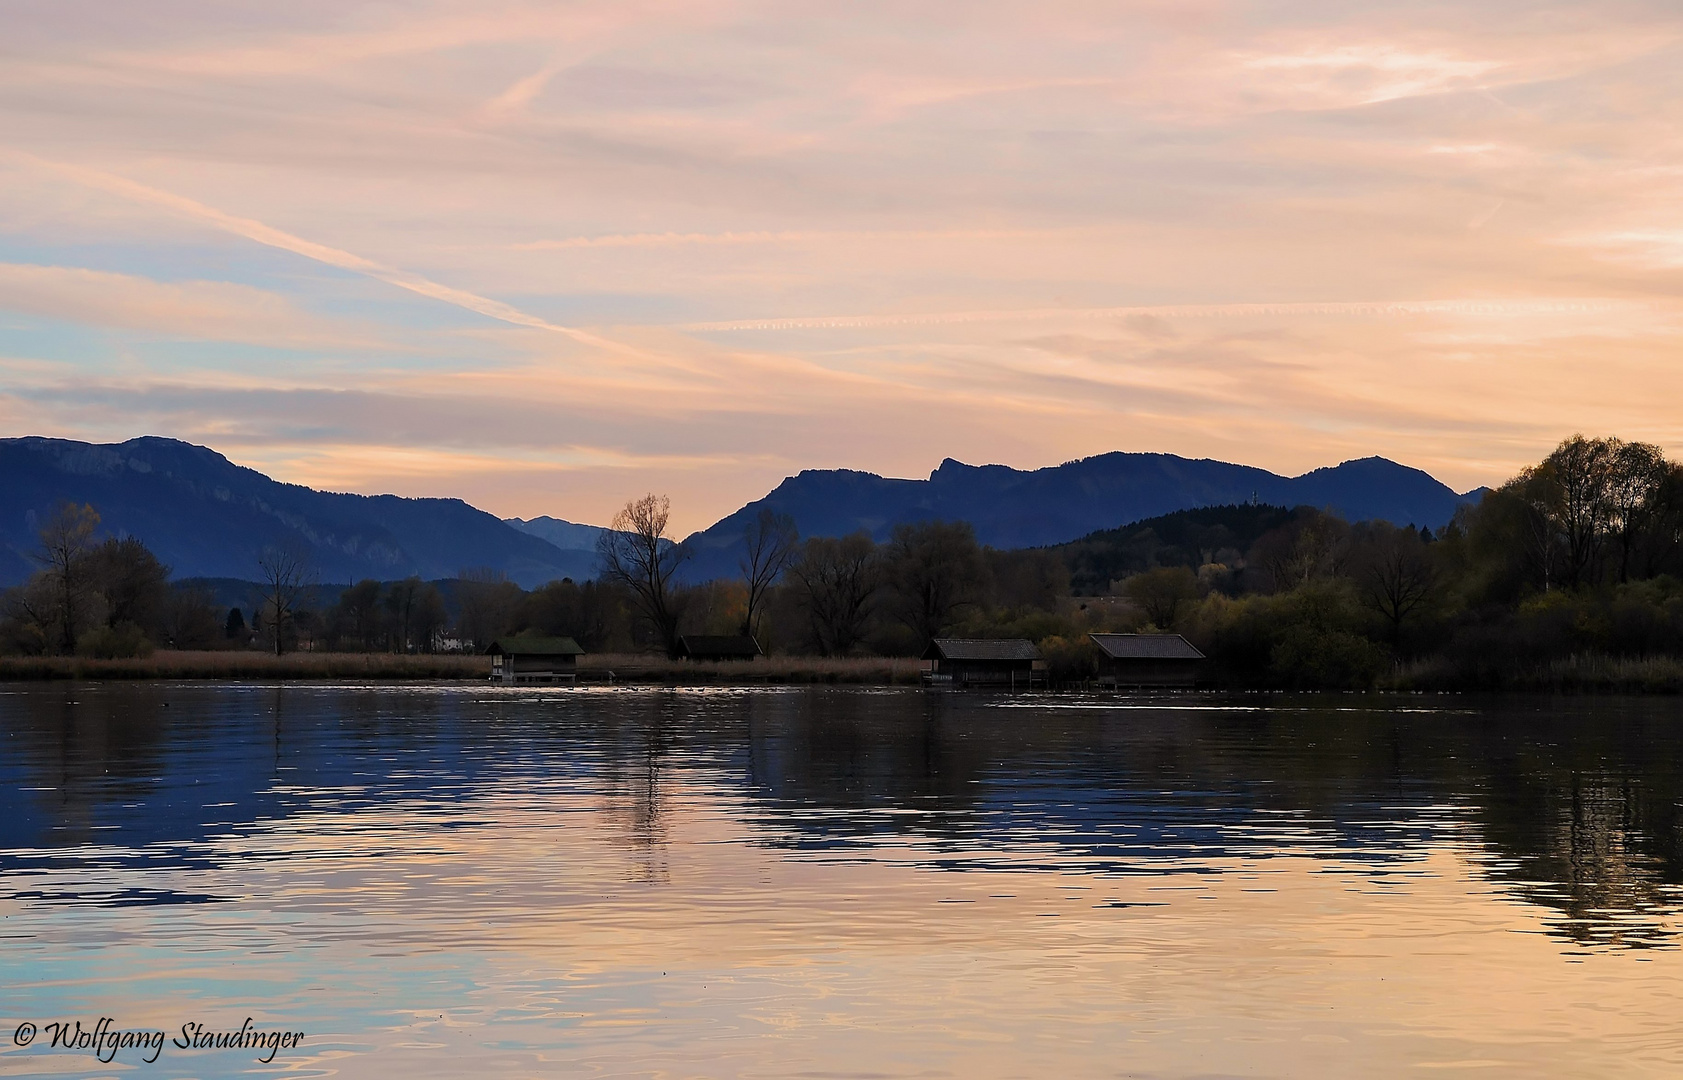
(1575, 804)
(1603, 852)
(634, 798)
(1572, 806)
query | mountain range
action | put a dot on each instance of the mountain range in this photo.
(207, 517)
(204, 516)
(1013, 508)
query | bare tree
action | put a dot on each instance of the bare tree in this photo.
(65, 541)
(1664, 539)
(769, 546)
(401, 604)
(1570, 489)
(586, 613)
(1542, 540)
(1313, 546)
(189, 619)
(936, 569)
(1396, 576)
(489, 605)
(284, 569)
(430, 618)
(27, 622)
(360, 606)
(1637, 476)
(637, 554)
(835, 581)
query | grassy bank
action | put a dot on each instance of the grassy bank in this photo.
(1589, 673)
(598, 668)
(166, 664)
(1584, 674)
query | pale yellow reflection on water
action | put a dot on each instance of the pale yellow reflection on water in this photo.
(645, 916)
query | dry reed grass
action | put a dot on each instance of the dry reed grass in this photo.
(237, 665)
(1588, 673)
(601, 667)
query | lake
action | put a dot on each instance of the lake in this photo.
(459, 880)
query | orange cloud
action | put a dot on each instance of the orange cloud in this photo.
(549, 256)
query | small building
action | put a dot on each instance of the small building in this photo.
(1147, 660)
(717, 647)
(1009, 662)
(531, 658)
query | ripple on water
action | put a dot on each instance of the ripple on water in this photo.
(433, 880)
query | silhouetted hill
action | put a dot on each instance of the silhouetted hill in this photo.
(1187, 538)
(225, 593)
(1012, 508)
(207, 517)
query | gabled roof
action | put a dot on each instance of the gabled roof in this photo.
(1146, 647)
(534, 645)
(724, 645)
(981, 649)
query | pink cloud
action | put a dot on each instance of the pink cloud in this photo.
(717, 243)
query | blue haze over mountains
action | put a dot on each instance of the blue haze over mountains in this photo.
(1012, 508)
(207, 517)
(204, 516)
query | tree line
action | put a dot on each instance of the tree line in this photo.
(111, 596)
(830, 596)
(1578, 555)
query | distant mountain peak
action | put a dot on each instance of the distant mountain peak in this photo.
(566, 535)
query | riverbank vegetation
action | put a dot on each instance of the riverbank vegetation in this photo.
(1568, 577)
(606, 669)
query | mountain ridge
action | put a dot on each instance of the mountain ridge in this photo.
(1019, 508)
(566, 535)
(205, 516)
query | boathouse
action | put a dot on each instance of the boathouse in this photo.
(1147, 660)
(717, 647)
(1013, 662)
(530, 658)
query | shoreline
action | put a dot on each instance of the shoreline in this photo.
(599, 668)
(1587, 675)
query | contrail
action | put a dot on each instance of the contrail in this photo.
(673, 239)
(256, 231)
(1185, 311)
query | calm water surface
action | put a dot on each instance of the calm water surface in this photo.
(451, 881)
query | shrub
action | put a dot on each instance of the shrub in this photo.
(123, 641)
(1311, 658)
(1070, 659)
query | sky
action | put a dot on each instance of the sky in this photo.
(548, 257)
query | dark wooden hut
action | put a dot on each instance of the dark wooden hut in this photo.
(717, 647)
(1147, 660)
(530, 658)
(984, 661)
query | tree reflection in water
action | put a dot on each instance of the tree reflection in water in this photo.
(1568, 804)
(1573, 805)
